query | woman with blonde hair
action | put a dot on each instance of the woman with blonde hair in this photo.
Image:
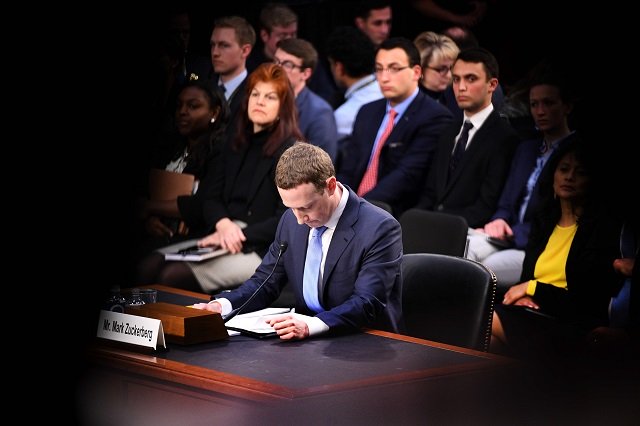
(437, 54)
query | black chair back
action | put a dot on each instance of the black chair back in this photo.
(425, 231)
(448, 299)
(384, 206)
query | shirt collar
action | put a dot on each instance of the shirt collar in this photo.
(479, 118)
(231, 85)
(335, 217)
(402, 106)
(363, 82)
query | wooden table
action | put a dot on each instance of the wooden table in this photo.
(364, 377)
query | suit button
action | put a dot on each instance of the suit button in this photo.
(440, 207)
(249, 213)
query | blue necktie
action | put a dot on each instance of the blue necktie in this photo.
(312, 270)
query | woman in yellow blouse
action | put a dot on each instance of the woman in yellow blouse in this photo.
(567, 279)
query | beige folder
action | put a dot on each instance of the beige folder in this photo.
(165, 185)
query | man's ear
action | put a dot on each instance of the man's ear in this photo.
(331, 185)
(306, 73)
(264, 35)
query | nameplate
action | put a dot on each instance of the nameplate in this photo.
(131, 329)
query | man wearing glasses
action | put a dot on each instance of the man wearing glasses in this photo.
(393, 140)
(299, 58)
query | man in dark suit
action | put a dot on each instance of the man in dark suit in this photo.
(392, 169)
(359, 283)
(231, 42)
(467, 177)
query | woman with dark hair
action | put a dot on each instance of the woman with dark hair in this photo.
(241, 204)
(550, 105)
(200, 120)
(567, 279)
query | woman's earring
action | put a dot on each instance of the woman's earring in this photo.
(213, 119)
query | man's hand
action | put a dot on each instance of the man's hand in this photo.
(288, 327)
(498, 229)
(212, 306)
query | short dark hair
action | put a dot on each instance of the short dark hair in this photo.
(483, 56)
(363, 8)
(300, 49)
(353, 49)
(276, 15)
(402, 43)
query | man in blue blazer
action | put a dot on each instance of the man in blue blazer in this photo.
(360, 281)
(406, 154)
(299, 59)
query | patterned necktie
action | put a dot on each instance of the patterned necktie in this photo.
(222, 89)
(370, 178)
(312, 264)
(458, 152)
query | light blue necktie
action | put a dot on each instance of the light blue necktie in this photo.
(312, 270)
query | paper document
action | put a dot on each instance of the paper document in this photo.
(254, 323)
(196, 255)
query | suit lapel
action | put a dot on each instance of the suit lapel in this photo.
(476, 146)
(399, 128)
(447, 144)
(342, 236)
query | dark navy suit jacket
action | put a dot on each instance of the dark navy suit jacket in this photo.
(475, 186)
(406, 155)
(514, 191)
(361, 280)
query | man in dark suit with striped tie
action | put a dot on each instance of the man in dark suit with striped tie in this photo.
(392, 168)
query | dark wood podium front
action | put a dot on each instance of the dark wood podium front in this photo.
(357, 377)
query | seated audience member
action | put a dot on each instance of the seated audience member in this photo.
(232, 40)
(621, 339)
(472, 157)
(437, 53)
(351, 58)
(373, 18)
(241, 204)
(567, 276)
(550, 105)
(465, 39)
(349, 277)
(277, 22)
(299, 58)
(200, 119)
(394, 138)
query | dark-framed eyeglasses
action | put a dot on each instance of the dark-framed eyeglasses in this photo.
(393, 69)
(443, 70)
(287, 65)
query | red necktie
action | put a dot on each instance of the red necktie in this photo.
(370, 178)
